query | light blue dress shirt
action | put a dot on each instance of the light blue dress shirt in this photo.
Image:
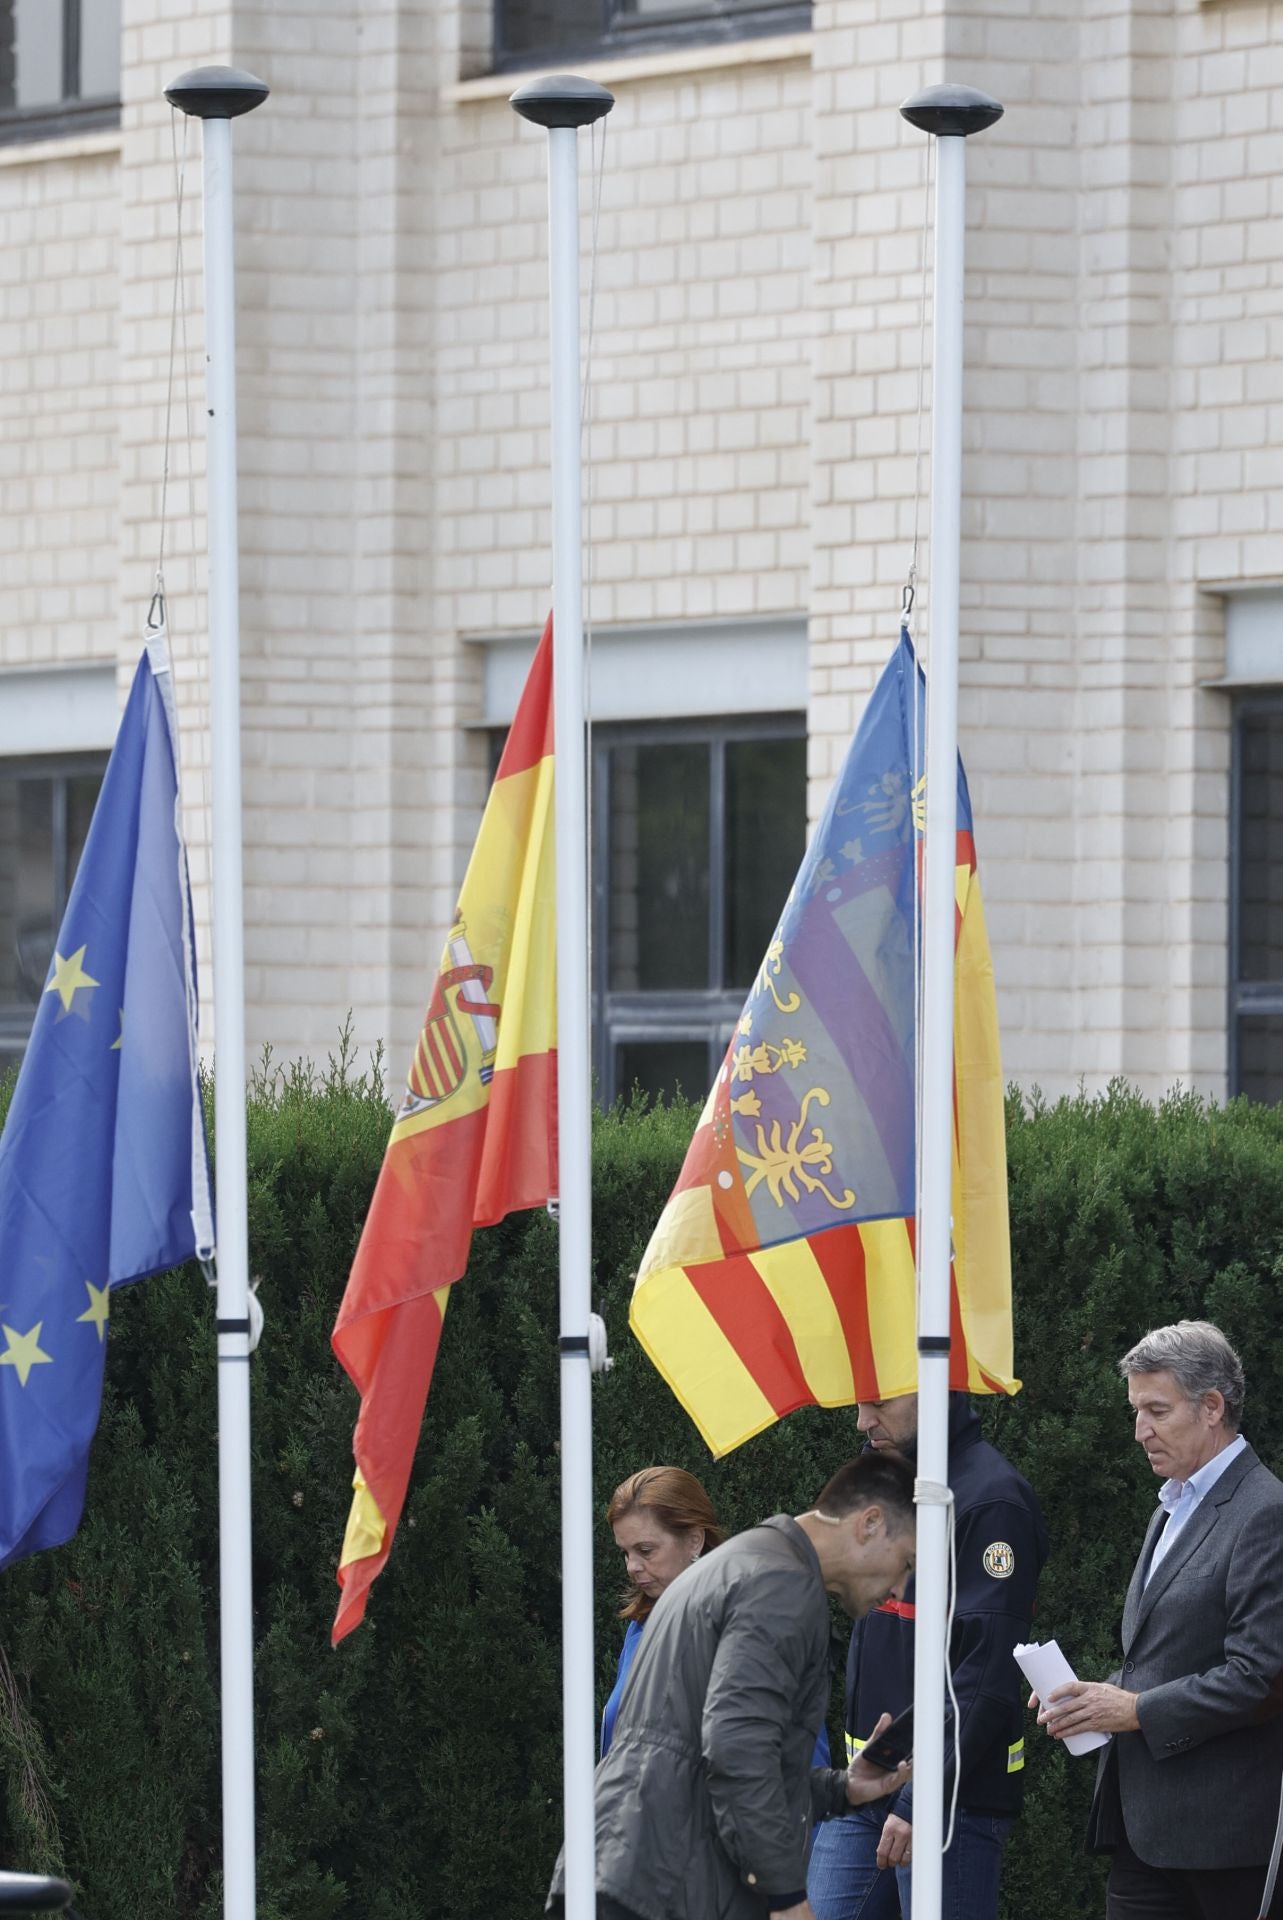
(1181, 1497)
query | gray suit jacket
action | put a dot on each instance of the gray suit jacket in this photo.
(1198, 1786)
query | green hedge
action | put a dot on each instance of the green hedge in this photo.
(416, 1772)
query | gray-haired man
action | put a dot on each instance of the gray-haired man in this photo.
(1187, 1792)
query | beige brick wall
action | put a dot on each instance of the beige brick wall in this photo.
(700, 331)
(1018, 677)
(1098, 767)
(756, 325)
(60, 238)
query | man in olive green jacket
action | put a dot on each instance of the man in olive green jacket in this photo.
(706, 1797)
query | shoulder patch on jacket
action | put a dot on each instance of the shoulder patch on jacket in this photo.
(999, 1560)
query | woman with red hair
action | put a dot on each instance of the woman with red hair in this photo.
(662, 1521)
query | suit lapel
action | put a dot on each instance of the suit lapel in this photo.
(1131, 1606)
(1191, 1535)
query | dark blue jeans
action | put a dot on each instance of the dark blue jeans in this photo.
(845, 1882)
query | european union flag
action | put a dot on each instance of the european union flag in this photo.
(103, 1172)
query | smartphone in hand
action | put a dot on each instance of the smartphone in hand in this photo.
(893, 1745)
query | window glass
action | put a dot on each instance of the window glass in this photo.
(765, 842)
(699, 828)
(528, 32)
(10, 888)
(529, 25)
(1260, 1056)
(1261, 847)
(30, 53)
(33, 902)
(59, 65)
(99, 49)
(644, 9)
(44, 818)
(82, 797)
(659, 862)
(663, 1068)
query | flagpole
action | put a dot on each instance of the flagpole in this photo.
(562, 104)
(950, 114)
(216, 96)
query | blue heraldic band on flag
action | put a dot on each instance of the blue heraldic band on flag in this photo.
(103, 1169)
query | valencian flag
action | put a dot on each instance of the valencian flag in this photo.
(473, 1140)
(781, 1273)
(103, 1175)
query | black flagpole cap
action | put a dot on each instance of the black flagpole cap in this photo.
(562, 100)
(951, 112)
(216, 93)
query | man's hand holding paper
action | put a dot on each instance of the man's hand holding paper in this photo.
(1054, 1682)
(1088, 1706)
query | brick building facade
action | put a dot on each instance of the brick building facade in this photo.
(756, 343)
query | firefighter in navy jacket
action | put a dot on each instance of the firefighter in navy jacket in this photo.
(860, 1863)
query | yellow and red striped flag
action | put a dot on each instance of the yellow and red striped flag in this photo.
(781, 1273)
(475, 1137)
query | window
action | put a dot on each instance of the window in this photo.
(699, 828)
(1256, 958)
(528, 32)
(59, 66)
(45, 810)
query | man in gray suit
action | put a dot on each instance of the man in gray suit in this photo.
(1187, 1792)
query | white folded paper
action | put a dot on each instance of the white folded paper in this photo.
(1046, 1668)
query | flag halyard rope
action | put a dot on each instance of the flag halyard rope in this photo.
(919, 745)
(158, 618)
(598, 169)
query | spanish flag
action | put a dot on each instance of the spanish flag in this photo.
(474, 1138)
(781, 1273)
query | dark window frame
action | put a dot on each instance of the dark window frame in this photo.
(691, 1014)
(60, 119)
(15, 1016)
(702, 23)
(1246, 997)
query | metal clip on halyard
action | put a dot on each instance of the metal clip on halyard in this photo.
(156, 611)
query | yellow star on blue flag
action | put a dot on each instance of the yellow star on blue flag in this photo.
(69, 977)
(103, 1174)
(22, 1351)
(98, 1312)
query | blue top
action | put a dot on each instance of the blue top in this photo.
(627, 1654)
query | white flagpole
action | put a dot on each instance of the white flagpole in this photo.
(216, 95)
(950, 113)
(563, 104)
